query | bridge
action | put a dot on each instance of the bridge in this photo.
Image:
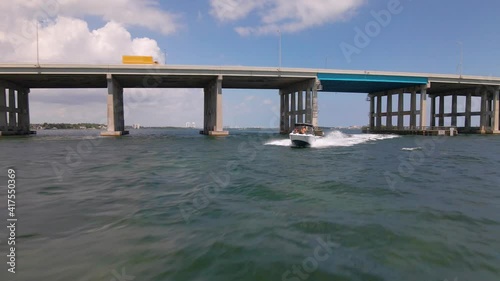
(298, 90)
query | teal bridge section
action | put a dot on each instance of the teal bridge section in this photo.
(366, 83)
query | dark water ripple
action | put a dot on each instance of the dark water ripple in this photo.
(174, 205)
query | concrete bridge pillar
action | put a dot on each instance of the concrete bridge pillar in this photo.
(286, 110)
(14, 116)
(441, 111)
(3, 110)
(468, 110)
(293, 111)
(372, 112)
(301, 109)
(314, 85)
(401, 110)
(282, 112)
(484, 112)
(379, 111)
(413, 110)
(116, 119)
(24, 111)
(212, 121)
(12, 110)
(490, 111)
(433, 111)
(454, 110)
(309, 105)
(299, 103)
(496, 111)
(423, 107)
(389, 111)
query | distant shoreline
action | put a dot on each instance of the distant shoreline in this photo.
(93, 126)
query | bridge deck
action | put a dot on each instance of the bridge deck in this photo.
(178, 76)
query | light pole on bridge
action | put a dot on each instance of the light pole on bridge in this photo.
(37, 23)
(461, 64)
(279, 49)
(37, 47)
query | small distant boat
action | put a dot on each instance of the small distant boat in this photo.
(304, 135)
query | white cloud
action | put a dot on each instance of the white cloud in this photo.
(231, 10)
(69, 40)
(267, 102)
(145, 13)
(65, 37)
(285, 15)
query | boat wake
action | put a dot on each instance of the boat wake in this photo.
(411, 148)
(336, 139)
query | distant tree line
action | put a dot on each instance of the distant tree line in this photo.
(62, 126)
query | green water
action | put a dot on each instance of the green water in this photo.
(174, 205)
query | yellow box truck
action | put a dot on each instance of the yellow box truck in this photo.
(138, 60)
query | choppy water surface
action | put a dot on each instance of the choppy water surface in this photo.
(174, 205)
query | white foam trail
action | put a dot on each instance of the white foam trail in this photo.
(283, 142)
(337, 139)
(411, 148)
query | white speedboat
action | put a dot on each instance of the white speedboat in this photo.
(304, 135)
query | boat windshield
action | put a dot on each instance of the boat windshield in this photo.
(303, 129)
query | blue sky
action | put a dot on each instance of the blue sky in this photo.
(422, 37)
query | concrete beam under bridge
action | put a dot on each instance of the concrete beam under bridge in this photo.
(116, 119)
(212, 120)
